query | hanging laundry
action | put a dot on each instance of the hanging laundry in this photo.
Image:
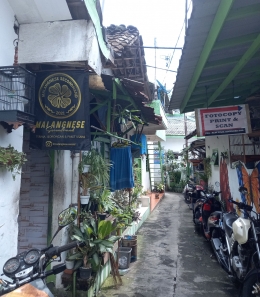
(121, 172)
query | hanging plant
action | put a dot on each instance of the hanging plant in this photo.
(12, 160)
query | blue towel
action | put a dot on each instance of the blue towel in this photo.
(121, 172)
(139, 138)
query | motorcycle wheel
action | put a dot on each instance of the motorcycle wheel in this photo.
(187, 198)
(197, 215)
(250, 287)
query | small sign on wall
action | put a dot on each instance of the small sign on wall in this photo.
(223, 120)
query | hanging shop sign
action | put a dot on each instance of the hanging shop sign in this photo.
(62, 111)
(223, 120)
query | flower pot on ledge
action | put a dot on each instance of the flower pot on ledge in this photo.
(84, 199)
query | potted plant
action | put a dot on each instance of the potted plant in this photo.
(105, 204)
(12, 160)
(98, 166)
(160, 188)
(96, 244)
(88, 182)
(70, 262)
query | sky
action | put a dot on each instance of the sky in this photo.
(161, 20)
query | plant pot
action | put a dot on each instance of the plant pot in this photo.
(94, 207)
(84, 199)
(69, 264)
(86, 168)
(119, 231)
(102, 216)
(85, 272)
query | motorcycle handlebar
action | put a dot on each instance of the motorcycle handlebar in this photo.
(57, 250)
(241, 205)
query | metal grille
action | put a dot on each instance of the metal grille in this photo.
(17, 89)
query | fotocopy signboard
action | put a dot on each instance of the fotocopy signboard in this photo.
(62, 111)
(223, 120)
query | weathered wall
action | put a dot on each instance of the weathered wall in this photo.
(10, 190)
(64, 193)
(34, 199)
(9, 199)
(67, 41)
(222, 144)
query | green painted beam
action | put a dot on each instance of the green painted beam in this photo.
(235, 41)
(98, 106)
(243, 12)
(239, 82)
(220, 63)
(215, 29)
(215, 77)
(109, 116)
(120, 86)
(92, 11)
(239, 66)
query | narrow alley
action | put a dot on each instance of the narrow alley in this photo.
(172, 259)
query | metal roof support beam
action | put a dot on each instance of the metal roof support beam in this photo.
(242, 62)
(215, 29)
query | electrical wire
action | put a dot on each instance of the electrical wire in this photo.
(176, 44)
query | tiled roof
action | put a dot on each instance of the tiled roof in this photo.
(176, 126)
(129, 59)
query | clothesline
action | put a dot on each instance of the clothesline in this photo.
(110, 134)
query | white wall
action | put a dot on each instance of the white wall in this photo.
(175, 143)
(7, 34)
(9, 199)
(222, 144)
(10, 190)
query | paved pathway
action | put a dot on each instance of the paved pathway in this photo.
(173, 261)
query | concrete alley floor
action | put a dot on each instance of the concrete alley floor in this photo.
(173, 261)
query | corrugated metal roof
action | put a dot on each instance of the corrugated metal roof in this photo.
(236, 37)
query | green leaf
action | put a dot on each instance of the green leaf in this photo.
(104, 229)
(75, 256)
(78, 264)
(114, 238)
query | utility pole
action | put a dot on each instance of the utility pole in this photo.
(185, 118)
(155, 59)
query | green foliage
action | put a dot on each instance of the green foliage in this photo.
(96, 243)
(12, 160)
(105, 203)
(99, 167)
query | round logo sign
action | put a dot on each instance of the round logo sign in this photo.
(59, 96)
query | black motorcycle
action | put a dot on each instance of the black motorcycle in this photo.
(206, 214)
(236, 246)
(28, 269)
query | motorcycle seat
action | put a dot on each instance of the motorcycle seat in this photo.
(228, 220)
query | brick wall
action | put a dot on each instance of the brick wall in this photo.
(34, 196)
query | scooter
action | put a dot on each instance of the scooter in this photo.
(206, 214)
(192, 192)
(27, 270)
(236, 246)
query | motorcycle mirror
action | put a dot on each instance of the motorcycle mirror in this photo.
(66, 217)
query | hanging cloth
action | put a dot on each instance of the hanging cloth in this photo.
(121, 172)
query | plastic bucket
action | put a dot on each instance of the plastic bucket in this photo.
(131, 241)
(123, 256)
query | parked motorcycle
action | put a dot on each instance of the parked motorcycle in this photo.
(206, 214)
(27, 269)
(236, 246)
(192, 192)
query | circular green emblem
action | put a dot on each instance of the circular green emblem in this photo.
(59, 96)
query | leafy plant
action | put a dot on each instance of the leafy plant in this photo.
(94, 238)
(105, 203)
(88, 182)
(12, 160)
